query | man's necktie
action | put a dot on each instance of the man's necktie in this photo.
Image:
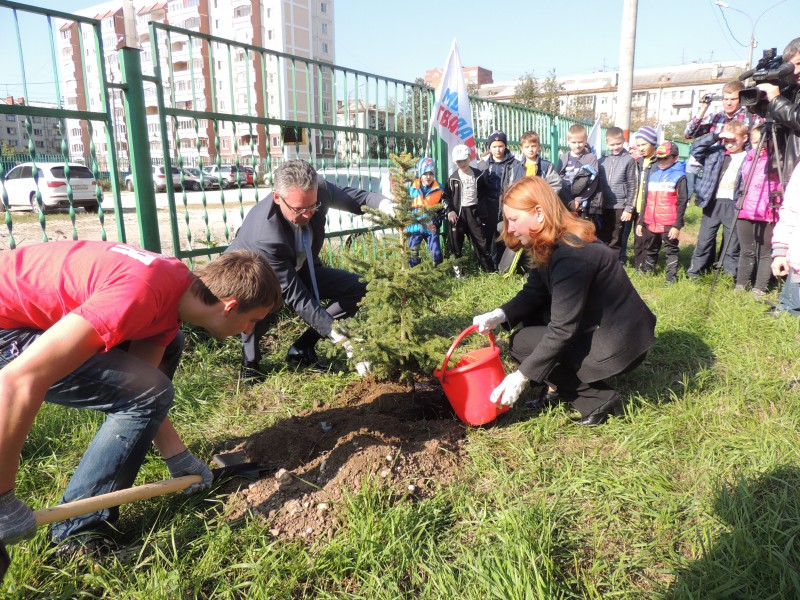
(306, 235)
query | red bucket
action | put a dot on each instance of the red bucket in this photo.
(469, 384)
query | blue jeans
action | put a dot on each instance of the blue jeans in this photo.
(135, 397)
(789, 300)
(434, 246)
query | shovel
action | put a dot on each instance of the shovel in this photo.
(61, 512)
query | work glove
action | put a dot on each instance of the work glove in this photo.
(489, 321)
(387, 207)
(186, 464)
(16, 519)
(363, 367)
(452, 216)
(509, 390)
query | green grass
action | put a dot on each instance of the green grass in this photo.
(694, 494)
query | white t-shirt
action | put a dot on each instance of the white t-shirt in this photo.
(727, 182)
(469, 189)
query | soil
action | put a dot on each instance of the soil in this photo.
(406, 441)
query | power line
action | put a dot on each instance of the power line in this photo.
(724, 18)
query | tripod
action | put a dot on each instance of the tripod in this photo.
(768, 136)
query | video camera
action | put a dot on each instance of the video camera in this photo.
(770, 69)
(709, 98)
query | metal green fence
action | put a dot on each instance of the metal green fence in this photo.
(208, 119)
(92, 113)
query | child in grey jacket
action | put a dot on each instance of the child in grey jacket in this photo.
(618, 178)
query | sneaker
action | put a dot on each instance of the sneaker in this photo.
(757, 293)
(93, 545)
(739, 288)
(457, 271)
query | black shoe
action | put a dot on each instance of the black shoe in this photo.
(250, 374)
(304, 357)
(545, 399)
(600, 415)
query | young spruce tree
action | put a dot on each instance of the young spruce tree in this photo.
(395, 325)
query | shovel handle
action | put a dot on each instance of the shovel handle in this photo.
(469, 330)
(85, 506)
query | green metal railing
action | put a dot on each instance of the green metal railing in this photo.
(225, 107)
(84, 29)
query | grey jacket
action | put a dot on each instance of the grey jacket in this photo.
(266, 230)
(618, 177)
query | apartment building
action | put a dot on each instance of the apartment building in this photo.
(44, 131)
(662, 94)
(214, 77)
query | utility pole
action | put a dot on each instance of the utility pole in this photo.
(626, 54)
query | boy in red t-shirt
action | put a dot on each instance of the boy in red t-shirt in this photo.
(97, 325)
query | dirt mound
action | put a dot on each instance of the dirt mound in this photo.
(407, 440)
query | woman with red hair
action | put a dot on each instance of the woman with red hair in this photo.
(582, 320)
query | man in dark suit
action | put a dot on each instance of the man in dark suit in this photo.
(287, 227)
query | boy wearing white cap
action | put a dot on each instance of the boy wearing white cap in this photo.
(464, 192)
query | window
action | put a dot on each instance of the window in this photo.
(270, 34)
(269, 13)
(193, 23)
(66, 34)
(324, 28)
(275, 142)
(327, 144)
(241, 11)
(11, 130)
(11, 118)
(39, 144)
(37, 131)
(37, 119)
(323, 7)
(226, 144)
(324, 47)
(326, 107)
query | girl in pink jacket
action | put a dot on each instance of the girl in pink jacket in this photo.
(757, 218)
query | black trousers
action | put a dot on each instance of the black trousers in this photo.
(469, 224)
(490, 224)
(755, 253)
(342, 288)
(585, 396)
(614, 232)
(652, 244)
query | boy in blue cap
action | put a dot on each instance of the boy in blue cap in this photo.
(425, 193)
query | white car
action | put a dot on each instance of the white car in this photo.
(21, 187)
(374, 179)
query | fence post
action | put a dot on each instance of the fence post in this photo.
(130, 65)
(554, 148)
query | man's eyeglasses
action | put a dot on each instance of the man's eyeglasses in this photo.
(299, 211)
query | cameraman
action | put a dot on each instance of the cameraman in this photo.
(784, 107)
(701, 124)
(731, 109)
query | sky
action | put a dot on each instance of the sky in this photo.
(512, 39)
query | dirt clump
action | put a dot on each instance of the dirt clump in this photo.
(407, 440)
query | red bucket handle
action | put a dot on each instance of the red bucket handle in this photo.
(469, 330)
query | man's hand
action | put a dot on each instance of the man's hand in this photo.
(674, 232)
(509, 390)
(639, 231)
(452, 216)
(626, 216)
(780, 266)
(488, 321)
(772, 91)
(186, 464)
(363, 367)
(16, 519)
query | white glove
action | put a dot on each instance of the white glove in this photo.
(387, 207)
(363, 367)
(509, 390)
(186, 464)
(489, 321)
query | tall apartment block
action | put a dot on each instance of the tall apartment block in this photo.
(210, 77)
